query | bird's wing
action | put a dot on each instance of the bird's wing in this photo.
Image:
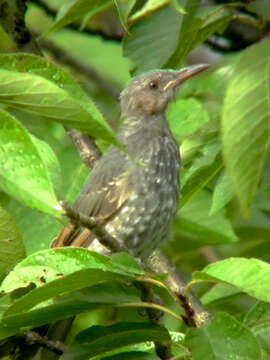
(105, 193)
(108, 187)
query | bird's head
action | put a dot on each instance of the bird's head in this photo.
(150, 93)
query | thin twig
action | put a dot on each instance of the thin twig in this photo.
(86, 146)
(209, 254)
(32, 337)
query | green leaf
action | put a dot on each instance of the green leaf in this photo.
(190, 26)
(34, 225)
(34, 84)
(216, 26)
(251, 276)
(124, 8)
(197, 26)
(96, 297)
(11, 244)
(193, 219)
(258, 312)
(245, 122)
(186, 116)
(152, 51)
(48, 264)
(101, 339)
(75, 10)
(224, 338)
(204, 168)
(149, 8)
(24, 174)
(223, 193)
(51, 162)
(260, 7)
(59, 271)
(219, 292)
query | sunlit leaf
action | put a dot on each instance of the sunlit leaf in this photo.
(150, 7)
(63, 261)
(35, 85)
(24, 173)
(251, 276)
(224, 338)
(245, 122)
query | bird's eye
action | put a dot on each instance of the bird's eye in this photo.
(153, 84)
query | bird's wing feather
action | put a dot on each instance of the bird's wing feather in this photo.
(103, 196)
(108, 187)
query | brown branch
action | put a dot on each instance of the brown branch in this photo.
(195, 313)
(86, 146)
(209, 254)
(32, 337)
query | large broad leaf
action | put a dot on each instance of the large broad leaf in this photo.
(34, 84)
(260, 7)
(223, 193)
(224, 338)
(197, 26)
(245, 122)
(101, 339)
(11, 244)
(76, 10)
(52, 263)
(56, 272)
(251, 276)
(24, 172)
(218, 293)
(152, 40)
(190, 26)
(88, 299)
(193, 220)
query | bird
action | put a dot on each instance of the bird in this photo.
(135, 193)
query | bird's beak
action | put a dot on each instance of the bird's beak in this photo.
(185, 74)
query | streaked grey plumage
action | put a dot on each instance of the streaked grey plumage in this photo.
(136, 195)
